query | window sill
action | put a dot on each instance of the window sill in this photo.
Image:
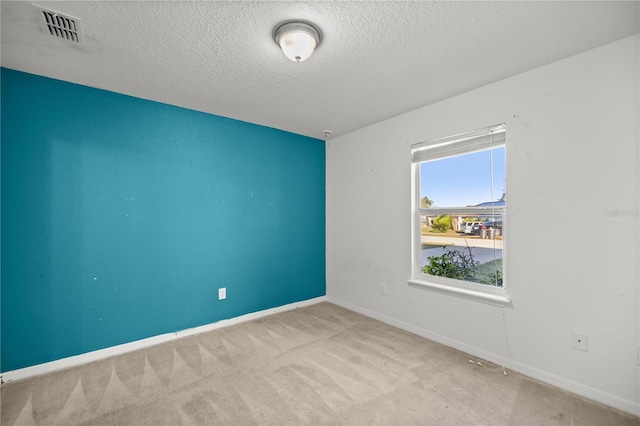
(496, 297)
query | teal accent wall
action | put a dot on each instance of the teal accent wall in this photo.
(122, 217)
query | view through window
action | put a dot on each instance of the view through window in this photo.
(460, 207)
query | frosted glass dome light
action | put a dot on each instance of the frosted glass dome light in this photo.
(297, 40)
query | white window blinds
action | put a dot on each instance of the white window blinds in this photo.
(464, 143)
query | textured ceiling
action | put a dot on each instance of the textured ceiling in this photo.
(377, 59)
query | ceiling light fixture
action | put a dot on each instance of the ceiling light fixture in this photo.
(297, 39)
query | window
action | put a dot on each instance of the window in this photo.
(459, 219)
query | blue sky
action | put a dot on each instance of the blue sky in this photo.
(463, 180)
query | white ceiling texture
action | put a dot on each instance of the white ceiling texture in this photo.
(376, 59)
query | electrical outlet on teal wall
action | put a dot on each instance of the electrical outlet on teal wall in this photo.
(122, 217)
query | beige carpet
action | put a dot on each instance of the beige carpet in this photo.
(316, 365)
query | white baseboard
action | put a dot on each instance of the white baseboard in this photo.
(72, 361)
(593, 394)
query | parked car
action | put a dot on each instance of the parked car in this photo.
(497, 225)
(467, 227)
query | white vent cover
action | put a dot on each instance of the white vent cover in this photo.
(59, 25)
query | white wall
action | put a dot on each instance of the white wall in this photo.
(572, 155)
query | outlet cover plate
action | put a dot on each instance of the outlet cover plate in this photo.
(222, 293)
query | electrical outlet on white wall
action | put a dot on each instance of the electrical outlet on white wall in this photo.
(383, 289)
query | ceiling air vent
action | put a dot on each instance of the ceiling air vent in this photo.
(59, 25)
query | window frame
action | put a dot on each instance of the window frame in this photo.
(470, 290)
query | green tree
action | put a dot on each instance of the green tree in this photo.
(425, 202)
(461, 265)
(441, 223)
(453, 264)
